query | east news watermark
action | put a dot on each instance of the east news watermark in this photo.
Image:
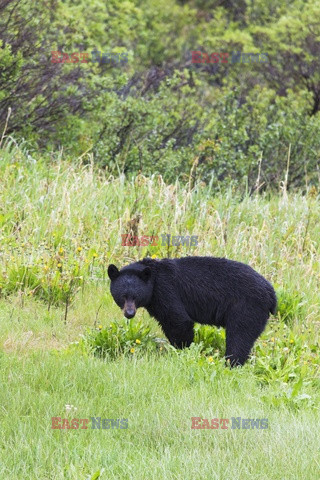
(235, 423)
(95, 423)
(167, 240)
(198, 57)
(96, 56)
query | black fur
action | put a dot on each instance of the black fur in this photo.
(214, 291)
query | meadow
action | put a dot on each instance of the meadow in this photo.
(65, 350)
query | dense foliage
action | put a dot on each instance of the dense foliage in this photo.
(244, 123)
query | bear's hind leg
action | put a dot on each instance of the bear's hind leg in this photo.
(243, 327)
(238, 348)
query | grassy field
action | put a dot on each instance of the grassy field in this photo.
(60, 227)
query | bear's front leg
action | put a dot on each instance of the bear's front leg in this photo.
(179, 333)
(173, 319)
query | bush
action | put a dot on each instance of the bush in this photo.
(120, 338)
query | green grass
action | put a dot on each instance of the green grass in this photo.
(60, 227)
(158, 396)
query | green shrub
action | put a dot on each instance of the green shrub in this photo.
(290, 306)
(121, 337)
(211, 339)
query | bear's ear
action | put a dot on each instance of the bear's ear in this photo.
(113, 272)
(145, 274)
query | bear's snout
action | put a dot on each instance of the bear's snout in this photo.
(129, 309)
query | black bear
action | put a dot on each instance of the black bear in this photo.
(213, 291)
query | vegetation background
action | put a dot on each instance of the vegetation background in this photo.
(159, 113)
(88, 151)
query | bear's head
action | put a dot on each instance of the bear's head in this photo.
(131, 288)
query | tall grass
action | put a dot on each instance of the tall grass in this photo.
(60, 227)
